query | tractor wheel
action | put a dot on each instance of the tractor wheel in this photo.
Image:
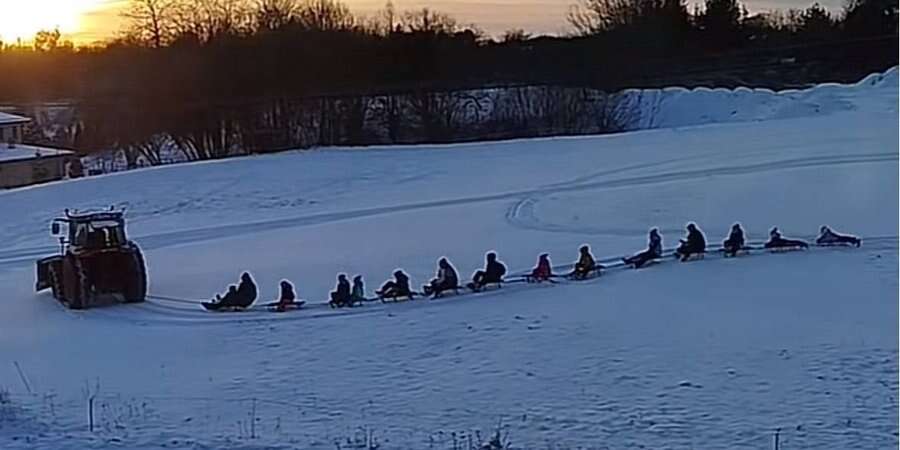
(76, 284)
(136, 287)
(56, 278)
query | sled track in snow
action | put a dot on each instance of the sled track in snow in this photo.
(173, 311)
(163, 240)
(521, 214)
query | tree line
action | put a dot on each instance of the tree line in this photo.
(212, 78)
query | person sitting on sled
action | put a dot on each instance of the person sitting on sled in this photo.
(241, 296)
(246, 291)
(543, 271)
(585, 264)
(693, 244)
(398, 287)
(735, 241)
(828, 237)
(341, 295)
(287, 297)
(445, 279)
(654, 251)
(227, 301)
(493, 273)
(777, 241)
(358, 293)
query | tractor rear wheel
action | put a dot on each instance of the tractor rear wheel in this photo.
(76, 284)
(136, 287)
(56, 286)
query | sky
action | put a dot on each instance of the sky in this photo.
(87, 21)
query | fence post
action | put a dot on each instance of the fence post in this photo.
(91, 413)
(777, 438)
(253, 420)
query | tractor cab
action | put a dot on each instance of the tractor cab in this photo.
(92, 231)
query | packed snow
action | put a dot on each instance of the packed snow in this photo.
(717, 353)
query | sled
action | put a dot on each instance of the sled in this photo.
(427, 291)
(443, 292)
(399, 298)
(593, 273)
(733, 253)
(847, 243)
(648, 263)
(278, 307)
(690, 257)
(485, 287)
(785, 246)
(353, 302)
(531, 279)
(213, 306)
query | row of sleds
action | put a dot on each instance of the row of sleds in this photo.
(493, 276)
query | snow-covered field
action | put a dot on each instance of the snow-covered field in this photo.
(709, 354)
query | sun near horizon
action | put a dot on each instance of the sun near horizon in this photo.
(88, 21)
(82, 21)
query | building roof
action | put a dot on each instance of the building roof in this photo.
(12, 119)
(21, 152)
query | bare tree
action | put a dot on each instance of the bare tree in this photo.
(151, 21)
(326, 15)
(274, 14)
(428, 21)
(515, 35)
(48, 41)
(206, 19)
(383, 23)
(596, 16)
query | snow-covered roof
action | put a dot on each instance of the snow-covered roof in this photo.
(22, 151)
(11, 119)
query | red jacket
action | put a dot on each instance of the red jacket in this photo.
(542, 271)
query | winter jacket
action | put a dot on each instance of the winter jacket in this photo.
(695, 242)
(230, 298)
(359, 292)
(246, 292)
(542, 271)
(735, 238)
(585, 262)
(287, 294)
(655, 246)
(343, 289)
(447, 277)
(402, 283)
(494, 272)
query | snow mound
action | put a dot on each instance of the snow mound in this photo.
(678, 107)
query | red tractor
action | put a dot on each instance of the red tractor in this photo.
(96, 263)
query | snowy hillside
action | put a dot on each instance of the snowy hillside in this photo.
(709, 354)
(678, 107)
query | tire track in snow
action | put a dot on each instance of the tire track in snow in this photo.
(521, 214)
(170, 239)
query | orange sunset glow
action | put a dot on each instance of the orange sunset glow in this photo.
(87, 21)
(80, 20)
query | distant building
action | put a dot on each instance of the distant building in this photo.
(22, 165)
